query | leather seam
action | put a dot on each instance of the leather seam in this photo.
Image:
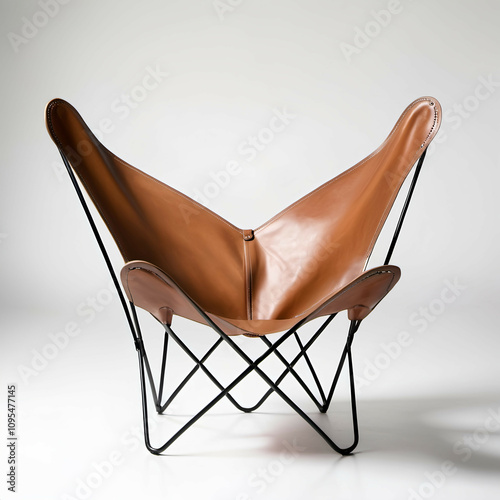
(248, 279)
(433, 126)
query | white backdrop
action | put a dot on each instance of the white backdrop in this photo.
(178, 88)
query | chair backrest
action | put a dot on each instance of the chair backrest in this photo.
(280, 270)
(151, 221)
(328, 235)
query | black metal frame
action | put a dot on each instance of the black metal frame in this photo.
(253, 365)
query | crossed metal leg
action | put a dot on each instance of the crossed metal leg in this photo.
(145, 369)
(253, 366)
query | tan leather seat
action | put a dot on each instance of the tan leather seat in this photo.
(307, 261)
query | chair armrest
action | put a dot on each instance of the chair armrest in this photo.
(363, 294)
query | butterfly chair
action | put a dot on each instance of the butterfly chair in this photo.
(307, 262)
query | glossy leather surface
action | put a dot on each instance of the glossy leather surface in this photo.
(149, 287)
(305, 262)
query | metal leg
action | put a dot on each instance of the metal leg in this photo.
(294, 373)
(346, 352)
(253, 367)
(290, 365)
(176, 391)
(312, 370)
(200, 363)
(162, 376)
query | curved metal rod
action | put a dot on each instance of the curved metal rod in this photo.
(199, 363)
(312, 370)
(176, 391)
(405, 207)
(253, 366)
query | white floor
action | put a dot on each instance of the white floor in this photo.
(80, 428)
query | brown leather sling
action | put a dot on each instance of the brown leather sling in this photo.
(307, 261)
